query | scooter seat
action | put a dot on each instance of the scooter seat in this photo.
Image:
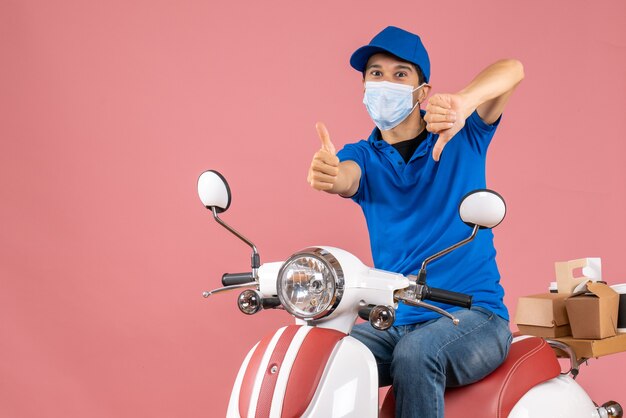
(530, 362)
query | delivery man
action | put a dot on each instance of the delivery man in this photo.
(409, 176)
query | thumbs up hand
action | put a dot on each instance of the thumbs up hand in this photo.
(324, 168)
(322, 132)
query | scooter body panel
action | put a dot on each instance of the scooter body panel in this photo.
(560, 397)
(349, 386)
(233, 404)
(344, 384)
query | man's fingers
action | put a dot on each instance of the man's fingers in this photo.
(323, 178)
(438, 127)
(440, 100)
(446, 116)
(322, 167)
(326, 157)
(322, 132)
(438, 108)
(321, 186)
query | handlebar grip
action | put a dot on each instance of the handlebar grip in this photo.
(446, 296)
(229, 279)
(270, 303)
(364, 312)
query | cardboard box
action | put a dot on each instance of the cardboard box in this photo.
(593, 314)
(596, 348)
(567, 278)
(543, 315)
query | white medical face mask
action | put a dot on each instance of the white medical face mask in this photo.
(389, 103)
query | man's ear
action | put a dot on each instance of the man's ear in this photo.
(423, 93)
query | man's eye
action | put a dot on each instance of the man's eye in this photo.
(376, 73)
(401, 74)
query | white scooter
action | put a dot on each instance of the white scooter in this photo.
(316, 369)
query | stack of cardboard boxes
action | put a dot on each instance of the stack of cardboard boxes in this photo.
(583, 313)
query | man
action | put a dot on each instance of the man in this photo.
(409, 177)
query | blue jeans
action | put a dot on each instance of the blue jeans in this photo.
(421, 360)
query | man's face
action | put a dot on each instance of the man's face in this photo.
(385, 67)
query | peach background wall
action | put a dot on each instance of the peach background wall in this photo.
(110, 110)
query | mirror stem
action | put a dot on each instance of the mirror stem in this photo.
(255, 259)
(421, 276)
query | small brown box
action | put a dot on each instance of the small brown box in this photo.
(593, 314)
(543, 315)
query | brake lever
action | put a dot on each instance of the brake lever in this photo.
(412, 295)
(422, 304)
(206, 294)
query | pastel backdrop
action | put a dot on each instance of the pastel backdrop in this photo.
(110, 110)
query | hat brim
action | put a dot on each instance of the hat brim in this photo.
(358, 60)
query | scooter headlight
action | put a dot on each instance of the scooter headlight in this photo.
(310, 284)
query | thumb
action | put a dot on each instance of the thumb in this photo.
(439, 145)
(322, 132)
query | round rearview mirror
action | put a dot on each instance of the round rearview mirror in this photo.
(484, 208)
(214, 191)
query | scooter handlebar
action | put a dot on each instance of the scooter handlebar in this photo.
(446, 296)
(230, 279)
(364, 312)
